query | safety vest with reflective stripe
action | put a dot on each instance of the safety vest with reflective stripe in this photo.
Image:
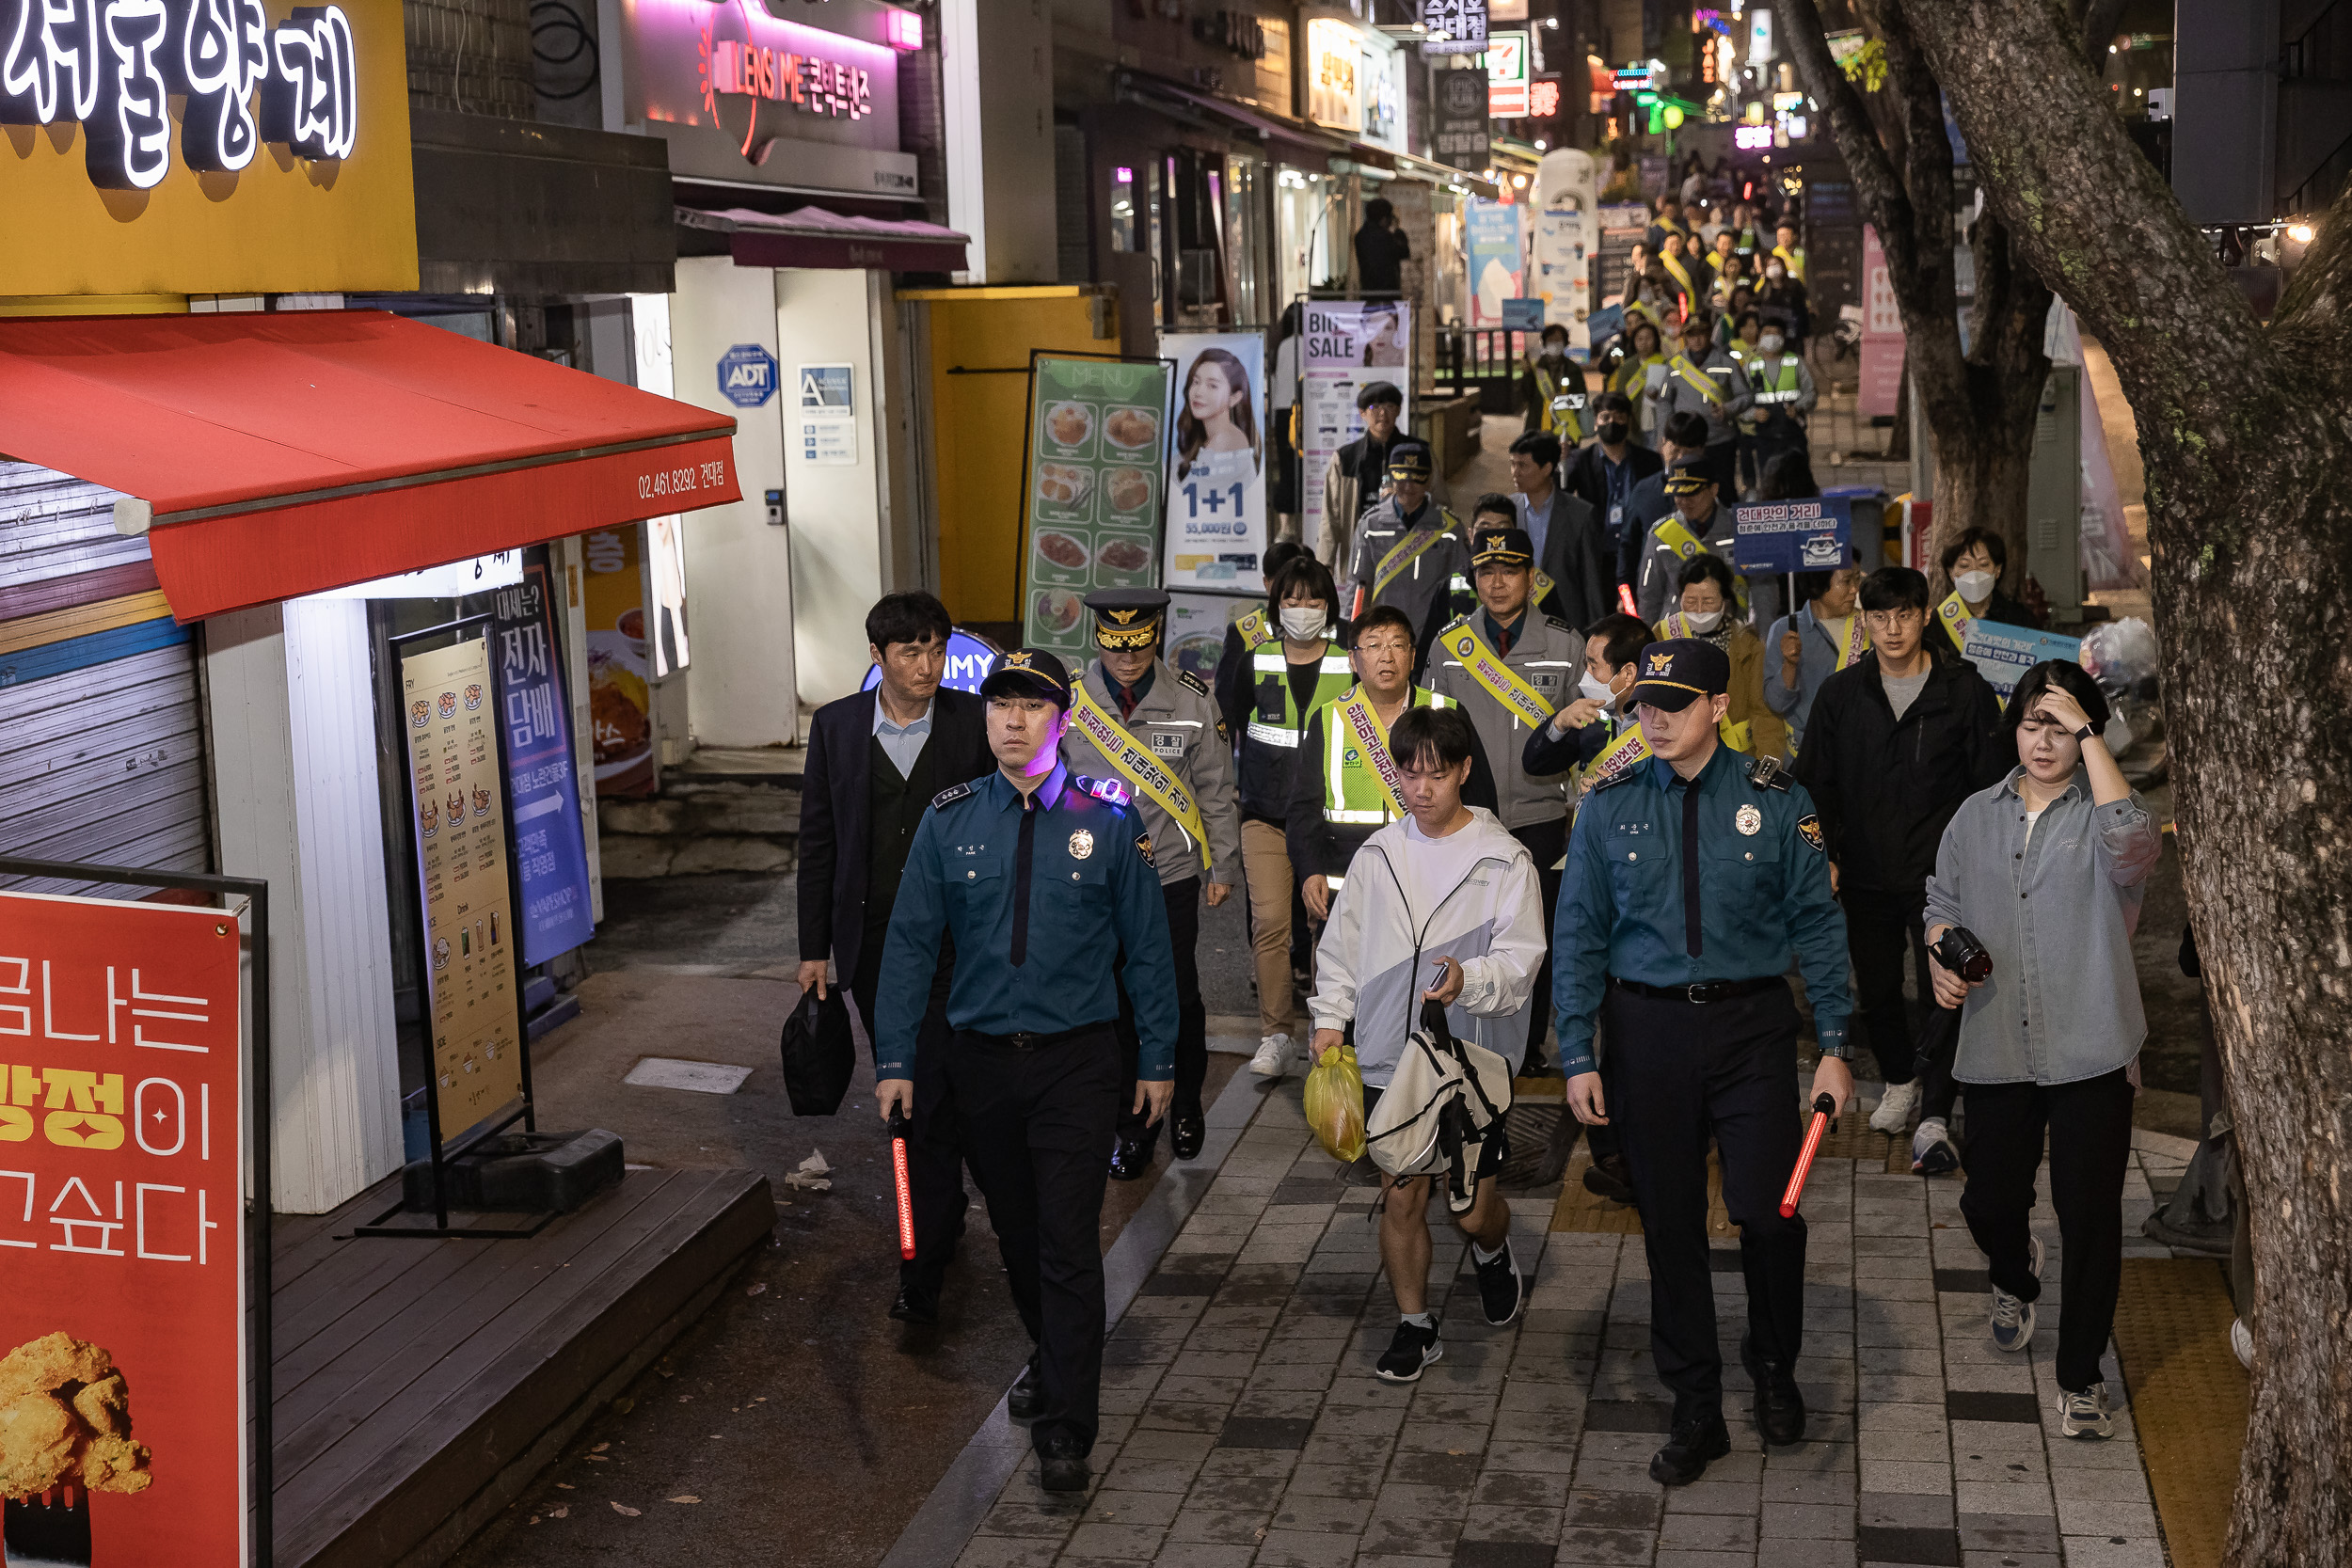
(1332, 679)
(1781, 386)
(1353, 791)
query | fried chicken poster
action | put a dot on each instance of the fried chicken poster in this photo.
(122, 1370)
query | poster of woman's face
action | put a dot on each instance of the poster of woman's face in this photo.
(1383, 340)
(1219, 414)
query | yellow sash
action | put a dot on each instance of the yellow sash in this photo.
(1953, 612)
(1136, 764)
(1618, 755)
(1681, 274)
(1737, 737)
(1502, 682)
(1373, 737)
(1857, 639)
(1699, 379)
(1794, 263)
(1256, 628)
(1685, 544)
(1401, 555)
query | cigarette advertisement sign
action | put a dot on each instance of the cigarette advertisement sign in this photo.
(1349, 344)
(123, 1235)
(460, 827)
(536, 726)
(1216, 506)
(1098, 431)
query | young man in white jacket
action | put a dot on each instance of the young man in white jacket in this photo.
(1442, 905)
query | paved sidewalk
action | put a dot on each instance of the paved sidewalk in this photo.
(1244, 1425)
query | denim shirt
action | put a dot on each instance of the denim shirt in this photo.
(2057, 914)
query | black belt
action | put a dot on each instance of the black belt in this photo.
(1703, 992)
(1027, 1041)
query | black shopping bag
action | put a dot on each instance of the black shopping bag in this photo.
(820, 1055)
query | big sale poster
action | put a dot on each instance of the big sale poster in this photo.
(1098, 431)
(1217, 502)
(1347, 345)
(460, 828)
(122, 1234)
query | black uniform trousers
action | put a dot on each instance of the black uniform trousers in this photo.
(1676, 1072)
(1036, 1125)
(2089, 1125)
(1546, 842)
(934, 1165)
(1192, 1018)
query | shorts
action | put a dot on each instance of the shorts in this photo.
(1491, 1153)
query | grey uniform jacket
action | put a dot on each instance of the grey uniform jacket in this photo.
(1654, 588)
(1678, 396)
(1548, 656)
(1345, 498)
(1420, 587)
(1178, 722)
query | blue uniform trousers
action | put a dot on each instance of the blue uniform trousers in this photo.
(1035, 1128)
(1676, 1073)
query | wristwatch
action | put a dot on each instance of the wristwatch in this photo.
(2087, 732)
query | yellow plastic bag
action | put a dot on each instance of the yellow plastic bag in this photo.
(1335, 1104)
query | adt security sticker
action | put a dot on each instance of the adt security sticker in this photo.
(747, 376)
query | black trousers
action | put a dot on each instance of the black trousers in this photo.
(1035, 1127)
(1546, 842)
(1192, 1018)
(1881, 929)
(1676, 1073)
(934, 1166)
(2091, 1145)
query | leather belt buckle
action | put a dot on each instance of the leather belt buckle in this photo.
(1701, 992)
(1023, 1041)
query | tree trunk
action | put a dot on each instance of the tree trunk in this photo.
(1984, 479)
(2246, 437)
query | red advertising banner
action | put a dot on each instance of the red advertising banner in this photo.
(1880, 385)
(122, 1330)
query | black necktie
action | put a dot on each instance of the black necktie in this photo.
(1021, 878)
(1690, 868)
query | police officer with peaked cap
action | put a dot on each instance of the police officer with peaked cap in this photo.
(1155, 730)
(1031, 868)
(1690, 876)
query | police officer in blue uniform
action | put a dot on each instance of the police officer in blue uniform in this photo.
(1046, 882)
(1690, 876)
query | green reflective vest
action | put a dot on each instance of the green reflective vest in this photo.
(1282, 727)
(1353, 792)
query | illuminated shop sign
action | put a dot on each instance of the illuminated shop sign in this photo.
(810, 84)
(112, 66)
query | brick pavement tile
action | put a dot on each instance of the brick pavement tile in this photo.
(1215, 1316)
(1306, 1378)
(1388, 1560)
(1219, 1526)
(1707, 1532)
(1198, 1554)
(1832, 1489)
(1511, 1522)
(1335, 1481)
(1157, 1508)
(1875, 1417)
(1165, 1444)
(1228, 1338)
(1821, 1521)
(2026, 1560)
(1453, 1472)
(1521, 1396)
(1365, 1451)
(1472, 1552)
(1678, 1558)
(1717, 1494)
(1926, 1544)
(1125, 1401)
(1271, 1403)
(2004, 1533)
(1913, 1446)
(2006, 1467)
(1520, 1489)
(1903, 1509)
(1413, 1534)
(1604, 1548)
(2079, 1485)
(2106, 1518)
(2102, 1551)
(1590, 1508)
(2011, 1497)
(1183, 1415)
(1889, 1476)
(1199, 1390)
(1120, 1542)
(1268, 1464)
(1004, 1551)
(2008, 1375)
(1290, 1548)
(1150, 1475)
(1614, 1475)
(1309, 1512)
(1022, 1517)
(1441, 1438)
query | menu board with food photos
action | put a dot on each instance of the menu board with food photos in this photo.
(460, 830)
(1097, 434)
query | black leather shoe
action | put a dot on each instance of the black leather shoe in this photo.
(915, 1304)
(1022, 1402)
(1130, 1158)
(1779, 1408)
(1187, 1132)
(1610, 1179)
(1689, 1449)
(1060, 1467)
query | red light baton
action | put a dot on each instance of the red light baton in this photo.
(1825, 1106)
(906, 1197)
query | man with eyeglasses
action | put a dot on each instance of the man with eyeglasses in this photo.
(1895, 742)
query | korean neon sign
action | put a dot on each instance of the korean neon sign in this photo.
(111, 66)
(746, 68)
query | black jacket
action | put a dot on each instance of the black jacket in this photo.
(1886, 788)
(1588, 477)
(1649, 503)
(835, 829)
(1577, 556)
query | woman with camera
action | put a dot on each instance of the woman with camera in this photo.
(2037, 889)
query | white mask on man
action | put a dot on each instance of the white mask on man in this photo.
(1770, 342)
(1703, 622)
(1589, 684)
(1303, 622)
(1975, 587)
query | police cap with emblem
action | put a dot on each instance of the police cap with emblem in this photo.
(1678, 672)
(1379, 391)
(1501, 547)
(1127, 618)
(1689, 475)
(1409, 459)
(1028, 673)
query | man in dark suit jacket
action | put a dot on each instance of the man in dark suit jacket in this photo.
(1565, 532)
(875, 761)
(1606, 473)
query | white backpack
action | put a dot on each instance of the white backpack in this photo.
(1447, 1098)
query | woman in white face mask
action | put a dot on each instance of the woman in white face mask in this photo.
(1709, 609)
(1973, 563)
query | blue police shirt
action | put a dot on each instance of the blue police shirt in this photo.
(1092, 895)
(1763, 882)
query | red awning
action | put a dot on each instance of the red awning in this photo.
(273, 455)
(812, 237)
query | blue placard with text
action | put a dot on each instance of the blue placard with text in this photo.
(1810, 535)
(542, 790)
(2002, 653)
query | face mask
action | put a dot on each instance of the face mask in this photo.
(1975, 587)
(1613, 431)
(1705, 622)
(1770, 342)
(1301, 623)
(1588, 685)
(1775, 274)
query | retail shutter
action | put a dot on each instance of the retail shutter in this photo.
(101, 736)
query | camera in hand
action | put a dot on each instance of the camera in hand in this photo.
(1959, 951)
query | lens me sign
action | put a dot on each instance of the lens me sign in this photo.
(111, 66)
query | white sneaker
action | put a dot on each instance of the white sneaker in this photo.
(1932, 1150)
(2242, 1342)
(2085, 1414)
(1895, 1110)
(1274, 1056)
(2012, 1318)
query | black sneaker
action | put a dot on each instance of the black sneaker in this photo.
(1690, 1448)
(1500, 1291)
(1413, 1347)
(1610, 1179)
